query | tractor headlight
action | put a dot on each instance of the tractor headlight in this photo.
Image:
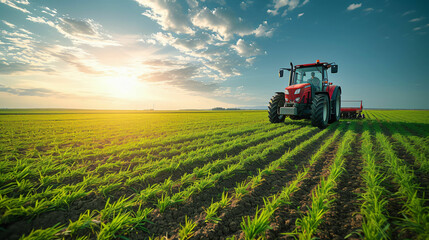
(297, 99)
(287, 100)
(298, 91)
(287, 92)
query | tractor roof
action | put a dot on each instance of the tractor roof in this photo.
(317, 63)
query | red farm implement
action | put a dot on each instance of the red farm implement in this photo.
(350, 109)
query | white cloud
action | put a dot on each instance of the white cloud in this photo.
(305, 2)
(12, 3)
(26, 54)
(263, 30)
(169, 14)
(8, 24)
(226, 25)
(182, 75)
(251, 60)
(209, 42)
(76, 57)
(216, 57)
(85, 31)
(369, 9)
(300, 15)
(25, 31)
(354, 6)
(23, 54)
(51, 12)
(235, 93)
(408, 12)
(245, 4)
(421, 27)
(15, 34)
(41, 20)
(25, 2)
(222, 22)
(291, 4)
(192, 43)
(417, 19)
(192, 3)
(246, 49)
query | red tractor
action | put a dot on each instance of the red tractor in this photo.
(309, 95)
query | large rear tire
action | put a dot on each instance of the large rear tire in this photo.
(320, 111)
(276, 102)
(336, 113)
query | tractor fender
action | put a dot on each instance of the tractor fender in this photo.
(332, 90)
(333, 95)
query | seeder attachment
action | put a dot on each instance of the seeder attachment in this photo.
(353, 112)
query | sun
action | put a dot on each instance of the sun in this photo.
(123, 86)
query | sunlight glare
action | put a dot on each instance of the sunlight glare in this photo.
(123, 86)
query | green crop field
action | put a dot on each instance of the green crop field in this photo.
(75, 174)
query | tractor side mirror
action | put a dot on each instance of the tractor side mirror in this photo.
(281, 73)
(334, 68)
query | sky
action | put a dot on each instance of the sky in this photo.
(189, 54)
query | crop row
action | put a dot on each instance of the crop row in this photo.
(57, 134)
(416, 214)
(147, 153)
(110, 182)
(198, 184)
(212, 175)
(257, 225)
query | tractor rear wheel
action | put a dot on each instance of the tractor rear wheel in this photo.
(276, 102)
(320, 111)
(336, 113)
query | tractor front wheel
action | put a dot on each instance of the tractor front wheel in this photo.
(320, 111)
(276, 102)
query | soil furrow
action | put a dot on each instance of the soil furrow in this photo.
(233, 152)
(272, 184)
(421, 178)
(284, 218)
(346, 204)
(167, 223)
(395, 203)
(127, 164)
(98, 201)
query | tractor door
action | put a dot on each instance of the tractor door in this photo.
(315, 79)
(325, 78)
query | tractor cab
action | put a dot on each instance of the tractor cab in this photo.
(314, 73)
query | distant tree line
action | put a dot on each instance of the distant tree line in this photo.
(221, 108)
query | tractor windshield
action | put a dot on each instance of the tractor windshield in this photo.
(312, 75)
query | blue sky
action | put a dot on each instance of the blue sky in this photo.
(136, 54)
